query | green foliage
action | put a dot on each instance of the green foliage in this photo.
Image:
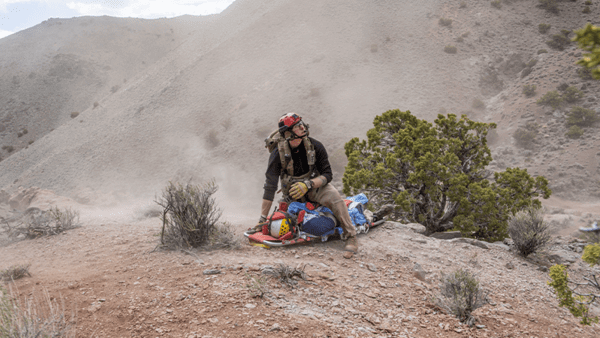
(586, 10)
(588, 3)
(542, 51)
(588, 39)
(591, 254)
(551, 99)
(445, 22)
(450, 49)
(558, 42)
(496, 4)
(574, 132)
(528, 231)
(576, 305)
(8, 149)
(460, 294)
(435, 174)
(572, 94)
(582, 117)
(529, 90)
(549, 5)
(544, 28)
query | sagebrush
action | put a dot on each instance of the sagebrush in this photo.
(528, 231)
(191, 218)
(460, 294)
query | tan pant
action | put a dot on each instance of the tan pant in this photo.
(330, 197)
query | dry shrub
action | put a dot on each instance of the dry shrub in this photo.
(190, 217)
(257, 286)
(15, 272)
(528, 231)
(544, 28)
(529, 90)
(37, 223)
(460, 295)
(574, 132)
(525, 136)
(286, 274)
(32, 317)
(549, 5)
(450, 49)
(445, 22)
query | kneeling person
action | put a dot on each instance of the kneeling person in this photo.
(303, 166)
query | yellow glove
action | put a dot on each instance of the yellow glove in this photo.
(299, 189)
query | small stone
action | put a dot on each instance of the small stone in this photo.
(372, 267)
(480, 326)
(250, 306)
(510, 265)
(275, 327)
(211, 272)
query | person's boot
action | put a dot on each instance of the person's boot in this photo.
(351, 247)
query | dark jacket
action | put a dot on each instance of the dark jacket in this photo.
(300, 166)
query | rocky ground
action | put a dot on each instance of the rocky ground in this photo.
(110, 276)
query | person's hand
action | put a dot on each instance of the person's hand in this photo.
(259, 225)
(299, 189)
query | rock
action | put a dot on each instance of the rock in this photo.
(415, 227)
(561, 257)
(510, 265)
(275, 327)
(372, 267)
(500, 245)
(446, 235)
(4, 196)
(470, 241)
(250, 306)
(211, 272)
(419, 273)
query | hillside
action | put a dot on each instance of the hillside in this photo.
(200, 99)
(192, 99)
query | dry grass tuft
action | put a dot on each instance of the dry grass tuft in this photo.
(15, 272)
(286, 274)
(31, 317)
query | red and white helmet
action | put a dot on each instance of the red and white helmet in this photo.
(288, 121)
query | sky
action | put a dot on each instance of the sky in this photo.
(16, 15)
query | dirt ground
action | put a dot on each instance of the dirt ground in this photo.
(114, 282)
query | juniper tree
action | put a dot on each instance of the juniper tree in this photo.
(435, 174)
(588, 39)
